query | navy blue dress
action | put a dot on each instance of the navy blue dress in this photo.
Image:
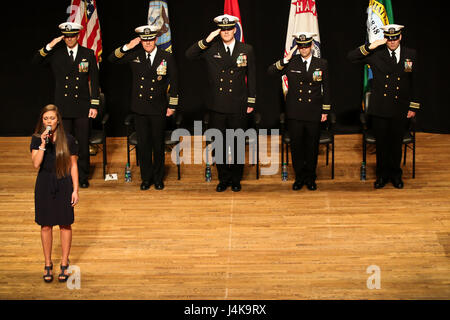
(52, 196)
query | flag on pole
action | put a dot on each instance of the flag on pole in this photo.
(158, 16)
(231, 7)
(302, 17)
(84, 12)
(379, 13)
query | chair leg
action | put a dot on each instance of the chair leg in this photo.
(414, 159)
(178, 160)
(105, 162)
(287, 155)
(128, 151)
(282, 152)
(257, 155)
(328, 148)
(137, 155)
(364, 150)
(404, 155)
(332, 159)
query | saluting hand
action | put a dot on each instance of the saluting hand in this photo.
(212, 35)
(55, 41)
(289, 56)
(377, 43)
(133, 43)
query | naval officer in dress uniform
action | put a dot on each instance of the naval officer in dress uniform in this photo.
(152, 71)
(307, 105)
(229, 63)
(77, 87)
(393, 100)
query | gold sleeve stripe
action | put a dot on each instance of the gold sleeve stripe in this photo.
(119, 53)
(173, 101)
(42, 52)
(363, 50)
(201, 45)
(278, 65)
(251, 100)
(95, 101)
(414, 105)
(326, 107)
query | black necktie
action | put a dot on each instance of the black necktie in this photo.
(228, 51)
(394, 59)
(149, 61)
(305, 63)
(71, 56)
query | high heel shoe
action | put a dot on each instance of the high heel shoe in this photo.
(62, 277)
(47, 276)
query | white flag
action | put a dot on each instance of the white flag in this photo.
(302, 17)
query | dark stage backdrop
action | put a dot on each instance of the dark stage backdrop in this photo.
(25, 88)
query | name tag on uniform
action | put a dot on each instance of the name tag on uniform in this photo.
(162, 68)
(317, 75)
(242, 60)
(296, 71)
(217, 56)
(408, 65)
(83, 66)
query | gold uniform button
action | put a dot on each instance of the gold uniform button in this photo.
(221, 80)
(387, 76)
(77, 78)
(67, 78)
(309, 91)
(398, 78)
(76, 87)
(65, 94)
(309, 100)
(76, 96)
(299, 99)
(220, 89)
(384, 94)
(153, 80)
(231, 90)
(151, 97)
(231, 71)
(142, 87)
(396, 97)
(142, 78)
(385, 86)
(301, 83)
(151, 89)
(310, 83)
(398, 88)
(231, 81)
(66, 86)
(140, 95)
(223, 70)
(301, 91)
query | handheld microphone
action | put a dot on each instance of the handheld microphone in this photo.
(49, 129)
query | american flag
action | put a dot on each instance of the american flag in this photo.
(84, 12)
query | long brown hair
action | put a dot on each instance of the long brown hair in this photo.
(63, 162)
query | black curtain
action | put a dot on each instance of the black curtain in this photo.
(27, 88)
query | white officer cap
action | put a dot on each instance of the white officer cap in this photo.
(392, 31)
(303, 38)
(226, 21)
(147, 32)
(70, 29)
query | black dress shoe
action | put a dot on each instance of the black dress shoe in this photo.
(397, 183)
(145, 185)
(222, 186)
(84, 184)
(236, 187)
(159, 185)
(297, 185)
(379, 183)
(311, 185)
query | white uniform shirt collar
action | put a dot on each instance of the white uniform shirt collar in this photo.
(308, 61)
(231, 46)
(74, 49)
(152, 54)
(397, 53)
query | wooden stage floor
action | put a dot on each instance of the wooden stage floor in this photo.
(265, 242)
